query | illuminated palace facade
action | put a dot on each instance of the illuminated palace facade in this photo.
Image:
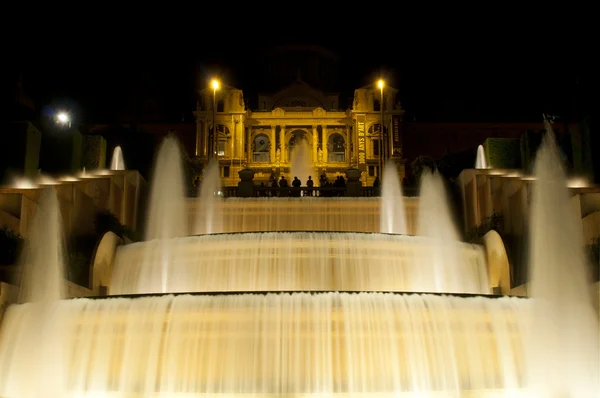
(264, 139)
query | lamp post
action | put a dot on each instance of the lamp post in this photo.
(215, 85)
(380, 84)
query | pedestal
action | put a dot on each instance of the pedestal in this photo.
(353, 185)
(246, 185)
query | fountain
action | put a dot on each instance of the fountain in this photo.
(117, 162)
(168, 215)
(481, 160)
(32, 373)
(564, 360)
(301, 161)
(209, 217)
(270, 340)
(42, 277)
(393, 219)
(441, 271)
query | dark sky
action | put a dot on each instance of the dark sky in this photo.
(497, 73)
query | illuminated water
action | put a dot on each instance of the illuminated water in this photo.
(441, 271)
(319, 344)
(167, 215)
(393, 217)
(209, 218)
(301, 163)
(34, 368)
(117, 162)
(563, 347)
(481, 160)
(42, 259)
(294, 261)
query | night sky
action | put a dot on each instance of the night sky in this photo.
(459, 73)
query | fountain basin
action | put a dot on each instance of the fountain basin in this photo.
(278, 344)
(297, 261)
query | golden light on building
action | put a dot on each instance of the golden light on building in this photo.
(335, 137)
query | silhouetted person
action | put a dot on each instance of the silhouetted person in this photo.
(310, 184)
(296, 184)
(283, 183)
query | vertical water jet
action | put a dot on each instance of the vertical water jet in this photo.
(443, 270)
(301, 161)
(481, 160)
(36, 369)
(117, 162)
(392, 213)
(563, 349)
(209, 216)
(42, 260)
(167, 213)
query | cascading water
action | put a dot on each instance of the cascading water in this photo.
(209, 218)
(441, 271)
(294, 261)
(283, 345)
(393, 217)
(117, 162)
(481, 160)
(168, 215)
(563, 348)
(301, 161)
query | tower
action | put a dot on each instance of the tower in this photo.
(229, 118)
(367, 112)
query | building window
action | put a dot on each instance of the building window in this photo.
(220, 106)
(375, 147)
(376, 104)
(371, 171)
(261, 148)
(336, 148)
(226, 171)
(221, 150)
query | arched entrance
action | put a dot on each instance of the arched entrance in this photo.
(296, 137)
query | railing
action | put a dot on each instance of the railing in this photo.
(269, 192)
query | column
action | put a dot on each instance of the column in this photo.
(315, 154)
(249, 145)
(347, 145)
(325, 139)
(205, 138)
(284, 149)
(239, 132)
(272, 139)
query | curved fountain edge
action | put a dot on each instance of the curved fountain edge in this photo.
(290, 292)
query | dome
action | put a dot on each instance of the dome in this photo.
(279, 66)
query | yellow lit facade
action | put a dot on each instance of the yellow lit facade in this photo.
(264, 139)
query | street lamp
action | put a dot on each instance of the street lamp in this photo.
(63, 118)
(380, 84)
(215, 86)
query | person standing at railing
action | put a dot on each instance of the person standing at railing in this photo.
(310, 184)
